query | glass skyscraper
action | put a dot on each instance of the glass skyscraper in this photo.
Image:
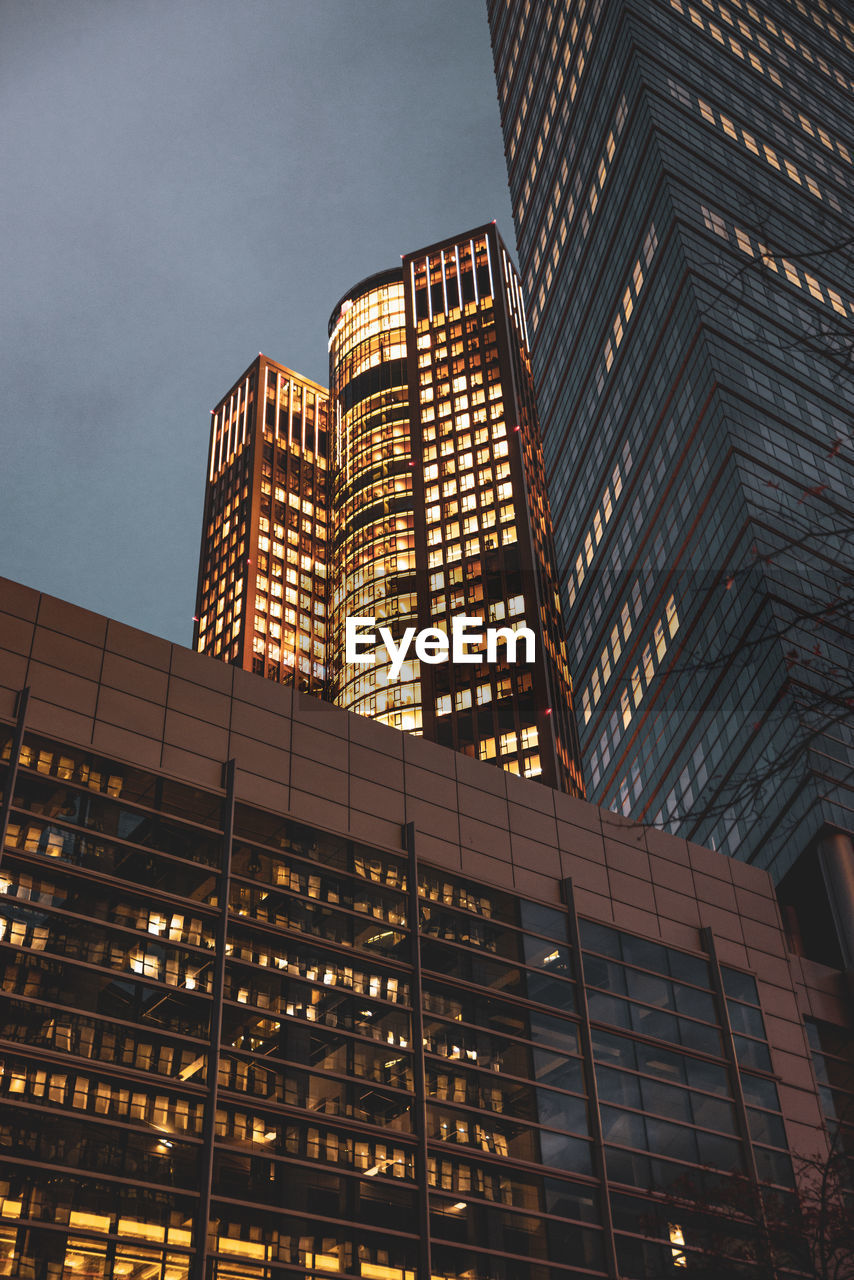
(682, 178)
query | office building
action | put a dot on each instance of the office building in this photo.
(682, 178)
(372, 515)
(424, 499)
(261, 598)
(290, 994)
(438, 506)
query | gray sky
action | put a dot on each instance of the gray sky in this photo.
(186, 183)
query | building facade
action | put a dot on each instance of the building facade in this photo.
(439, 506)
(682, 178)
(261, 596)
(412, 493)
(289, 994)
(372, 510)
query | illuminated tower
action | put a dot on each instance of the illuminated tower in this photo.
(433, 508)
(438, 507)
(483, 532)
(261, 601)
(372, 556)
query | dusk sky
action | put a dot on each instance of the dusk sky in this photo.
(187, 183)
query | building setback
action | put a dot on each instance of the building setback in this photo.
(451, 1024)
(681, 177)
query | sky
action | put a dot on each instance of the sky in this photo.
(187, 183)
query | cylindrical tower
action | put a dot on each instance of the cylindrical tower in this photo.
(372, 569)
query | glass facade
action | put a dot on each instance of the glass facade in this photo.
(373, 531)
(312, 507)
(241, 1047)
(484, 542)
(261, 601)
(681, 176)
(833, 1062)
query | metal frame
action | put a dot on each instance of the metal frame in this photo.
(21, 706)
(419, 1072)
(599, 1163)
(201, 1228)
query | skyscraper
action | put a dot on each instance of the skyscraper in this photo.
(261, 597)
(438, 506)
(372, 544)
(412, 493)
(682, 179)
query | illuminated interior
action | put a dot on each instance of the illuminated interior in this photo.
(262, 587)
(372, 535)
(486, 525)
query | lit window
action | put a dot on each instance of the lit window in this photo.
(836, 301)
(648, 667)
(672, 617)
(814, 286)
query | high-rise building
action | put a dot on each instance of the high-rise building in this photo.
(484, 546)
(682, 177)
(439, 510)
(261, 597)
(412, 493)
(290, 995)
(372, 513)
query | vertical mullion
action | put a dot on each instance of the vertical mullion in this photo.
(734, 1070)
(425, 1270)
(599, 1161)
(12, 775)
(202, 1224)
